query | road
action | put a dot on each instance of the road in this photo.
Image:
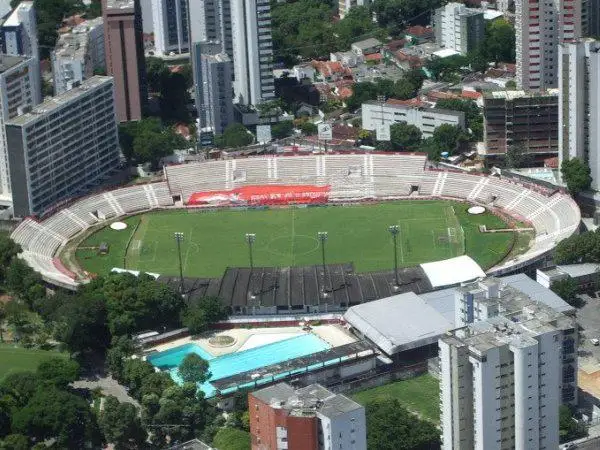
(592, 444)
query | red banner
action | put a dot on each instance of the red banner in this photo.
(262, 195)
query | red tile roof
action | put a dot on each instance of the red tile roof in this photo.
(373, 57)
(419, 30)
(473, 95)
(552, 163)
(410, 102)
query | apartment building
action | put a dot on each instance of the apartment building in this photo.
(579, 99)
(19, 32)
(426, 119)
(64, 147)
(252, 51)
(171, 26)
(125, 56)
(310, 418)
(525, 119)
(78, 54)
(458, 27)
(506, 370)
(345, 5)
(539, 28)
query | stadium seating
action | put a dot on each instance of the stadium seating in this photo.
(351, 177)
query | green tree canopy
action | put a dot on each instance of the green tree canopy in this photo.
(121, 425)
(567, 290)
(579, 248)
(448, 137)
(135, 371)
(282, 129)
(234, 135)
(14, 442)
(577, 175)
(499, 42)
(232, 439)
(194, 369)
(404, 136)
(517, 157)
(58, 372)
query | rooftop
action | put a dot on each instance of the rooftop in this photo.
(511, 95)
(13, 19)
(410, 105)
(120, 4)
(7, 62)
(52, 103)
(367, 43)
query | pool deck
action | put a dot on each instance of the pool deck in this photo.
(247, 338)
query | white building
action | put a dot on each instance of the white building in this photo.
(170, 24)
(252, 51)
(458, 27)
(506, 371)
(539, 28)
(426, 119)
(19, 31)
(345, 5)
(579, 100)
(64, 147)
(18, 92)
(78, 54)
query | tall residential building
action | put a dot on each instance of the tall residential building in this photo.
(345, 5)
(506, 371)
(64, 147)
(18, 93)
(539, 28)
(78, 54)
(125, 56)
(579, 97)
(171, 26)
(213, 72)
(210, 21)
(519, 118)
(19, 32)
(252, 51)
(590, 18)
(310, 418)
(458, 27)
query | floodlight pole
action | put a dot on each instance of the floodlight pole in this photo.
(322, 236)
(394, 230)
(179, 238)
(250, 238)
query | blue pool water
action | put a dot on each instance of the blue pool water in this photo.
(234, 363)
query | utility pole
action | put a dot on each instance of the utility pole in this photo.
(250, 238)
(322, 236)
(179, 239)
(394, 230)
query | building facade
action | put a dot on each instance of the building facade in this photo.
(590, 18)
(505, 371)
(18, 93)
(310, 418)
(579, 112)
(345, 5)
(78, 54)
(426, 119)
(518, 118)
(458, 27)
(171, 26)
(539, 28)
(19, 32)
(252, 51)
(125, 56)
(64, 147)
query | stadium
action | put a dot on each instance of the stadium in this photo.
(267, 192)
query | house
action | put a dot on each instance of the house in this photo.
(418, 34)
(348, 59)
(366, 47)
(332, 70)
(303, 71)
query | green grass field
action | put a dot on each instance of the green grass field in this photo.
(15, 359)
(420, 395)
(214, 240)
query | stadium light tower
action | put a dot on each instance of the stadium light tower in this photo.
(394, 230)
(322, 236)
(179, 239)
(250, 238)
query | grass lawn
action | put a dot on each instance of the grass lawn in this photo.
(420, 395)
(15, 359)
(214, 240)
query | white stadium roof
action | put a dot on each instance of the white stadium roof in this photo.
(449, 272)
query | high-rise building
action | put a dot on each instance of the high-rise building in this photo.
(579, 98)
(310, 418)
(345, 5)
(539, 28)
(524, 119)
(18, 93)
(125, 56)
(210, 21)
(19, 32)
(64, 147)
(458, 27)
(171, 26)
(213, 73)
(78, 54)
(506, 371)
(590, 18)
(252, 51)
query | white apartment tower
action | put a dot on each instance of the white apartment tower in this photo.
(540, 27)
(210, 21)
(458, 27)
(18, 93)
(252, 51)
(506, 371)
(171, 26)
(20, 31)
(579, 111)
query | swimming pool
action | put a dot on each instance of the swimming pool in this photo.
(237, 362)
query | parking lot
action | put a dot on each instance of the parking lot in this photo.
(588, 317)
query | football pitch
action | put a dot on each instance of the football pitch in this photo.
(215, 239)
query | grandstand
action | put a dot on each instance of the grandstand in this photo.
(350, 177)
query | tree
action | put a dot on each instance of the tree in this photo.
(134, 373)
(121, 425)
(122, 347)
(17, 388)
(194, 369)
(445, 68)
(308, 128)
(499, 42)
(361, 92)
(511, 85)
(15, 442)
(58, 372)
(404, 136)
(357, 22)
(232, 439)
(448, 137)
(579, 248)
(23, 281)
(8, 250)
(156, 71)
(391, 427)
(155, 383)
(569, 429)
(567, 290)
(204, 312)
(577, 175)
(517, 157)
(234, 135)
(282, 129)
